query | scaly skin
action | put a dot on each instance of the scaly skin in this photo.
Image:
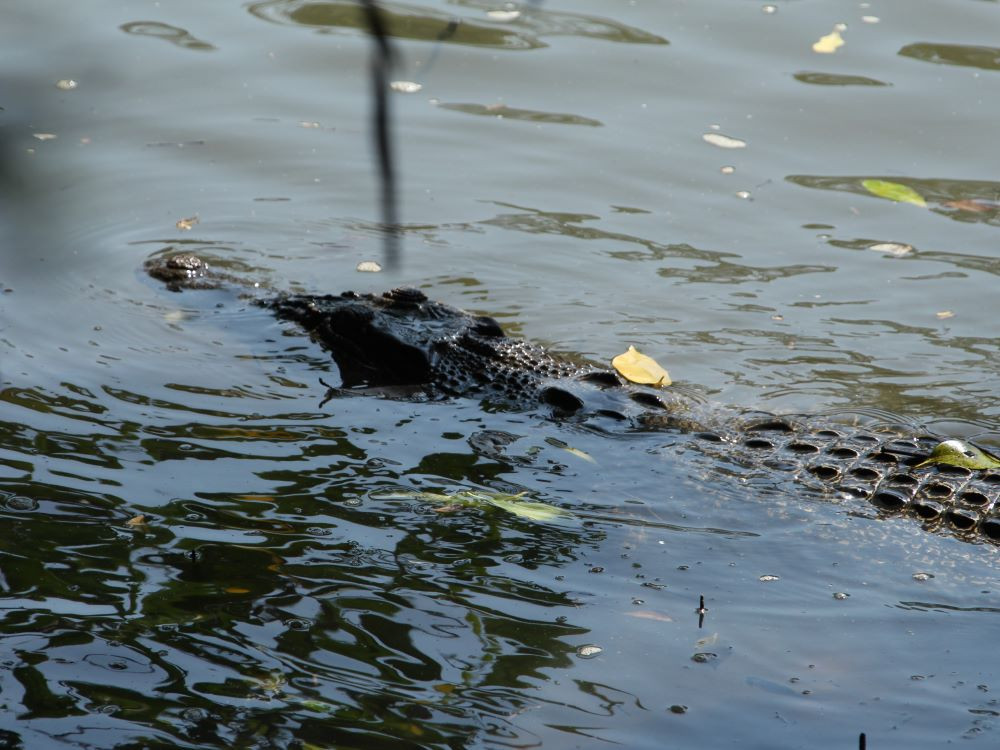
(403, 339)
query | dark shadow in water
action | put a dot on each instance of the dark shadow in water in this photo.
(835, 79)
(528, 115)
(965, 55)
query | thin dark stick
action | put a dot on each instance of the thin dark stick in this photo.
(382, 63)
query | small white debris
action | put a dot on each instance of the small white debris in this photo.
(744, 194)
(870, 19)
(66, 84)
(45, 136)
(728, 170)
(406, 87)
(369, 266)
(503, 16)
(922, 576)
(767, 578)
(589, 651)
(723, 141)
(770, 9)
(892, 248)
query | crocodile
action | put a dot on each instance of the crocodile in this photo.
(403, 342)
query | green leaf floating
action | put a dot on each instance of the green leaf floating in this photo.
(893, 191)
(958, 453)
(528, 509)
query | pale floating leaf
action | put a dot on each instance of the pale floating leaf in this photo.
(135, 522)
(504, 16)
(827, 45)
(406, 87)
(723, 141)
(310, 125)
(185, 224)
(527, 509)
(45, 136)
(570, 449)
(960, 453)
(944, 314)
(589, 651)
(636, 367)
(66, 84)
(768, 578)
(895, 249)
(893, 191)
(369, 266)
(645, 614)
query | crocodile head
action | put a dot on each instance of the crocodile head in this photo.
(397, 338)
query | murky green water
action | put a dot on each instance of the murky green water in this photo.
(197, 553)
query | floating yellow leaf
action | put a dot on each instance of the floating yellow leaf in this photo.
(829, 44)
(958, 453)
(893, 191)
(635, 366)
(185, 224)
(137, 521)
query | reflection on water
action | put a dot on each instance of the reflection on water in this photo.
(426, 23)
(289, 606)
(972, 201)
(197, 550)
(248, 581)
(173, 34)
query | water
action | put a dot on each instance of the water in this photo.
(197, 553)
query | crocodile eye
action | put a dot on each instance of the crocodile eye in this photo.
(406, 295)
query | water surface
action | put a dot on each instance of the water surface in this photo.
(198, 553)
